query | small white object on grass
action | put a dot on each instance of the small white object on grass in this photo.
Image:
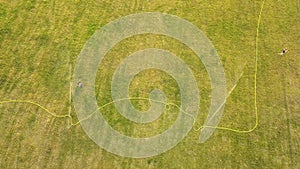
(284, 51)
(79, 84)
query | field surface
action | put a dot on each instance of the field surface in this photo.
(41, 39)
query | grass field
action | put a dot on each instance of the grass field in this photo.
(41, 39)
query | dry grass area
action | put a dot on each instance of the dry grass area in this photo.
(39, 39)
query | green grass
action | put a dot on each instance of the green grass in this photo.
(38, 40)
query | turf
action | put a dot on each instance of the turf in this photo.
(39, 40)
